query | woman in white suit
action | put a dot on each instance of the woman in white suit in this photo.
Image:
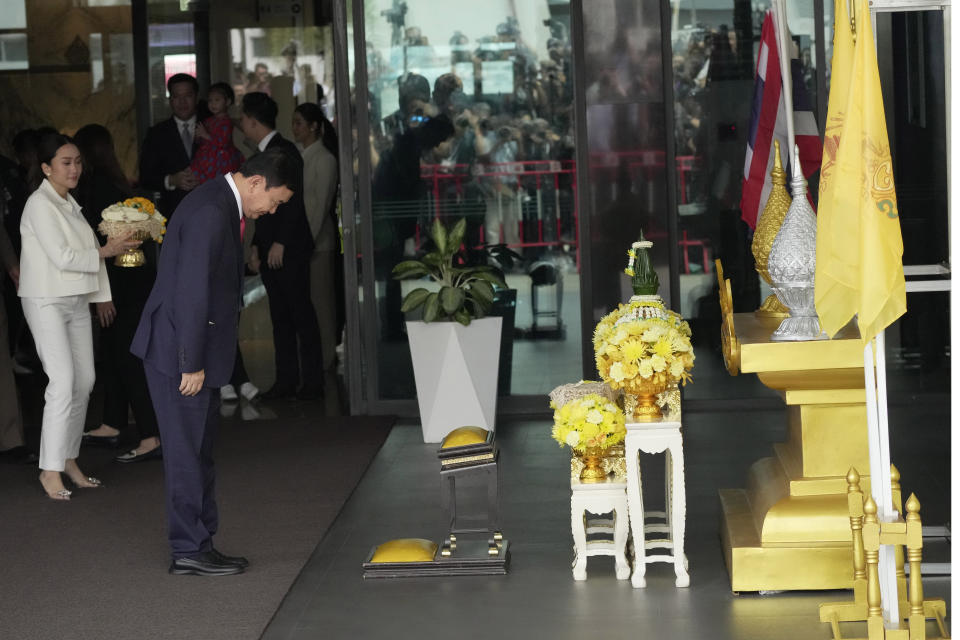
(61, 272)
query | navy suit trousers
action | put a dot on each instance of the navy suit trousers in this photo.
(188, 427)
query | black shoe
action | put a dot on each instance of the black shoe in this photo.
(204, 564)
(310, 392)
(133, 456)
(239, 561)
(102, 441)
(280, 392)
(18, 455)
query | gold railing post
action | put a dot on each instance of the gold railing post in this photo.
(917, 619)
(897, 549)
(855, 508)
(871, 544)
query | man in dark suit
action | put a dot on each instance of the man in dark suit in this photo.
(169, 146)
(187, 339)
(282, 247)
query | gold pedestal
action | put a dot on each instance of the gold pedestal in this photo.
(789, 529)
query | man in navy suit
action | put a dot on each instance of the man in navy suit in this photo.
(283, 246)
(169, 146)
(187, 339)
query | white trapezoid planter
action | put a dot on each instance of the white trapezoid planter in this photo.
(455, 368)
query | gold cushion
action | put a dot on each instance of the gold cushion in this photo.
(405, 550)
(464, 436)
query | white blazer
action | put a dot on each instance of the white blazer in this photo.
(60, 254)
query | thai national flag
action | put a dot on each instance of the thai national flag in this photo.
(768, 119)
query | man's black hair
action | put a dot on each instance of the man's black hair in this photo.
(177, 78)
(260, 107)
(277, 167)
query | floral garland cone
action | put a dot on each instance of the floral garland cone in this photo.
(643, 348)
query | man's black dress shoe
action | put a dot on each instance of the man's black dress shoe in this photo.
(279, 392)
(240, 561)
(103, 441)
(203, 564)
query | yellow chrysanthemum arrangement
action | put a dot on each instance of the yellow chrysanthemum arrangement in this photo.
(588, 421)
(145, 205)
(639, 344)
(136, 215)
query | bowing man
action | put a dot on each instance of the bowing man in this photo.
(187, 339)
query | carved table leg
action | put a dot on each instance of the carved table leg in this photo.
(678, 515)
(635, 508)
(578, 526)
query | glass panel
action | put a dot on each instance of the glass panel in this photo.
(171, 50)
(13, 51)
(714, 58)
(470, 117)
(14, 15)
(918, 346)
(626, 137)
(61, 78)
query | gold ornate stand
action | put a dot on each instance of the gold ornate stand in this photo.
(789, 529)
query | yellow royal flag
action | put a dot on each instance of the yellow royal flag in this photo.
(860, 265)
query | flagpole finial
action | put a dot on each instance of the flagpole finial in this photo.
(777, 166)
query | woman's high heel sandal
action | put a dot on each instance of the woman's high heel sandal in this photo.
(62, 494)
(94, 483)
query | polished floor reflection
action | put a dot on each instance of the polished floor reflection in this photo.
(399, 497)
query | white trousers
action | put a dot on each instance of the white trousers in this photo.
(63, 334)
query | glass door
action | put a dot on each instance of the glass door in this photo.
(465, 111)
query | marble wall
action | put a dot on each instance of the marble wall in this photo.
(81, 72)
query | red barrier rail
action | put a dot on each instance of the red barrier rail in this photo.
(534, 179)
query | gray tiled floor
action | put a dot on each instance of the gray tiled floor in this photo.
(538, 598)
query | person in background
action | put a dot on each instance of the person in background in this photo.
(170, 145)
(102, 183)
(319, 192)
(12, 447)
(283, 244)
(216, 155)
(13, 195)
(62, 270)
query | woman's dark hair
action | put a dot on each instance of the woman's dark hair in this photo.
(313, 114)
(277, 168)
(48, 145)
(223, 89)
(99, 156)
(260, 107)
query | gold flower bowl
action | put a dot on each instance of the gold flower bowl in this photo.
(133, 257)
(640, 398)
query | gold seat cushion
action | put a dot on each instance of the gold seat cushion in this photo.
(405, 550)
(464, 436)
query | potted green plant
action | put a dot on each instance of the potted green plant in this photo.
(455, 345)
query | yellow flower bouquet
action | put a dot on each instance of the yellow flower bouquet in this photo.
(138, 215)
(643, 350)
(587, 422)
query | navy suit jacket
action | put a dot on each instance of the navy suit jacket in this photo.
(163, 155)
(190, 320)
(289, 225)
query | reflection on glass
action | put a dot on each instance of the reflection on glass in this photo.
(626, 137)
(471, 117)
(714, 58)
(290, 64)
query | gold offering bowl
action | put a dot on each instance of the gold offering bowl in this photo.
(640, 399)
(133, 257)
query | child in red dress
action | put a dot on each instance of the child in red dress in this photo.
(217, 155)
